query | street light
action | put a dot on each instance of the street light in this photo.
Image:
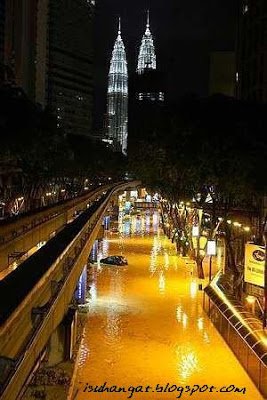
(252, 300)
(265, 277)
(211, 251)
(195, 231)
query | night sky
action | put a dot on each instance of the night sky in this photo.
(185, 32)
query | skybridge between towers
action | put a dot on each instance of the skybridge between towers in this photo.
(35, 298)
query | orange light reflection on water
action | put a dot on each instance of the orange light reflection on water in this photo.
(146, 325)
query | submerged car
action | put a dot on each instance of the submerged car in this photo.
(114, 260)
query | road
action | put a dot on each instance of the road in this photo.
(146, 326)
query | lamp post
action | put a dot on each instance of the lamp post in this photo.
(195, 237)
(265, 279)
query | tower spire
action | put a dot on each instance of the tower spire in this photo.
(119, 30)
(148, 19)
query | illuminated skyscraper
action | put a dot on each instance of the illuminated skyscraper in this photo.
(147, 110)
(147, 56)
(117, 107)
(148, 80)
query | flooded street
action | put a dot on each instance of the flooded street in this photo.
(146, 326)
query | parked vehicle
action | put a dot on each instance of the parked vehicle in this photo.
(114, 260)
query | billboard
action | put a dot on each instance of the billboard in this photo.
(254, 264)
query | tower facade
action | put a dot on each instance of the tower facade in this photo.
(117, 102)
(70, 64)
(148, 78)
(147, 56)
(2, 28)
(20, 42)
(251, 76)
(147, 108)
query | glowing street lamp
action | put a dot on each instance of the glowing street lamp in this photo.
(265, 277)
(211, 251)
(252, 300)
(195, 231)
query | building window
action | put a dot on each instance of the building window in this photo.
(161, 96)
(245, 9)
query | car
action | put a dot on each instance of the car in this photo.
(114, 260)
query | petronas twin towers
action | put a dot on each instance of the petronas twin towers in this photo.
(117, 103)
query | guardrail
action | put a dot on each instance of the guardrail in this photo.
(10, 229)
(24, 333)
(240, 329)
(25, 233)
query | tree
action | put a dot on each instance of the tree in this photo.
(213, 147)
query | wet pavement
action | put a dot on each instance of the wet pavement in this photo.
(146, 327)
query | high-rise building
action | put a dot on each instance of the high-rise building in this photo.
(222, 73)
(117, 101)
(20, 42)
(251, 73)
(41, 52)
(148, 81)
(2, 29)
(147, 56)
(70, 64)
(49, 47)
(147, 94)
(25, 44)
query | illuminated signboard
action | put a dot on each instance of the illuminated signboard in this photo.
(80, 294)
(211, 248)
(254, 264)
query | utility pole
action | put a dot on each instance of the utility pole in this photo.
(265, 279)
(264, 324)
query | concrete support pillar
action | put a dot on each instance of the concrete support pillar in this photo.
(70, 323)
(62, 341)
(56, 347)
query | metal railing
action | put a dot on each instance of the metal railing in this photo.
(68, 265)
(241, 331)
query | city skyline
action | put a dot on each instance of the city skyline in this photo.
(117, 92)
(185, 35)
(132, 252)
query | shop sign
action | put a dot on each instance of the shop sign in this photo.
(254, 264)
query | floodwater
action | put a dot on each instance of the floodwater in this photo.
(146, 327)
